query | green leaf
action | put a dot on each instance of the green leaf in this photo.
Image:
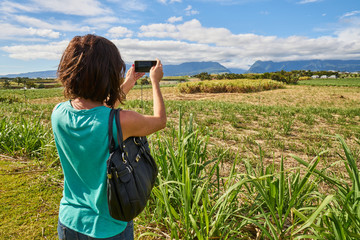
(309, 221)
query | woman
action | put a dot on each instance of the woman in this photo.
(92, 73)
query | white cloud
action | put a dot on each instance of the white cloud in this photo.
(191, 31)
(350, 33)
(87, 25)
(350, 14)
(308, 1)
(231, 2)
(169, 51)
(175, 19)
(51, 51)
(346, 44)
(133, 5)
(170, 1)
(78, 7)
(103, 19)
(12, 7)
(71, 7)
(119, 32)
(160, 30)
(189, 11)
(43, 32)
(10, 31)
(59, 25)
(190, 41)
(102, 22)
(30, 21)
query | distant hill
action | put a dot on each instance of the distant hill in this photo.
(237, 70)
(193, 68)
(184, 69)
(42, 74)
(313, 65)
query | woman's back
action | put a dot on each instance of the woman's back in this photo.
(82, 142)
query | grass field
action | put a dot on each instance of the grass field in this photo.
(347, 82)
(262, 165)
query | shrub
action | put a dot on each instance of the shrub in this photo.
(203, 76)
(229, 86)
(304, 78)
(10, 98)
(25, 137)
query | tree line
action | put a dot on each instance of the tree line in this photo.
(291, 77)
(21, 82)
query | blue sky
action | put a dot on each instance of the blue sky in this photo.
(234, 33)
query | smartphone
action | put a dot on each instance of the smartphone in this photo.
(144, 66)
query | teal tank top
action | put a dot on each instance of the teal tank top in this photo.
(81, 138)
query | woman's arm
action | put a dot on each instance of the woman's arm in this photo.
(129, 82)
(135, 124)
(130, 79)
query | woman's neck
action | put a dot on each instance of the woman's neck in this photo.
(81, 104)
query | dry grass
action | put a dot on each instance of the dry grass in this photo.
(247, 130)
(306, 96)
(315, 113)
(295, 96)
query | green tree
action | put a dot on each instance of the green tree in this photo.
(30, 85)
(203, 76)
(144, 80)
(266, 75)
(7, 83)
(18, 80)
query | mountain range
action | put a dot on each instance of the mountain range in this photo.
(183, 69)
(192, 68)
(312, 65)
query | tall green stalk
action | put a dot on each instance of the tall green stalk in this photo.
(188, 198)
(341, 218)
(276, 194)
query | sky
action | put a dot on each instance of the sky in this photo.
(235, 33)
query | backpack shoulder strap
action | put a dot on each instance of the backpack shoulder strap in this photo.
(110, 129)
(119, 130)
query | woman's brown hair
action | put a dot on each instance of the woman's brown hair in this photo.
(91, 68)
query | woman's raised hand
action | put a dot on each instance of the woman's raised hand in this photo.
(133, 76)
(156, 72)
(130, 79)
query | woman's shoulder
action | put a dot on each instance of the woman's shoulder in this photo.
(129, 116)
(59, 104)
(56, 106)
